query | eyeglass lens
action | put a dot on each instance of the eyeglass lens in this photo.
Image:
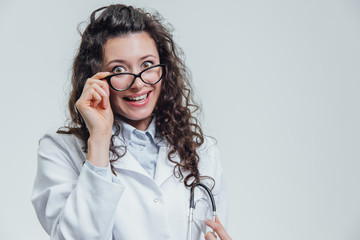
(123, 81)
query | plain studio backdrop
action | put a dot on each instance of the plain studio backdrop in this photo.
(279, 83)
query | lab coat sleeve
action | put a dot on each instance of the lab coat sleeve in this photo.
(72, 202)
(214, 168)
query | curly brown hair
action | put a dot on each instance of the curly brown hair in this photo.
(175, 107)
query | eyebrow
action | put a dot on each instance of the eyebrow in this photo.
(115, 61)
(124, 61)
(146, 56)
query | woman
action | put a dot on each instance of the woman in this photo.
(124, 166)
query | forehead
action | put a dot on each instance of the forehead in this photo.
(131, 47)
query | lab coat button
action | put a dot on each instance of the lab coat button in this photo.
(156, 200)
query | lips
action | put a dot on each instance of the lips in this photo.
(138, 98)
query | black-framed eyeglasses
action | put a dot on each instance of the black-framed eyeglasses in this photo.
(124, 81)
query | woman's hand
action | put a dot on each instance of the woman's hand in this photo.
(94, 107)
(218, 228)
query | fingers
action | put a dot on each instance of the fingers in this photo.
(95, 92)
(100, 76)
(100, 95)
(218, 228)
(94, 107)
(210, 236)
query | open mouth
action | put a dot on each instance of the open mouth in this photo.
(138, 99)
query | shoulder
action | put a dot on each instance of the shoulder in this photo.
(209, 144)
(58, 146)
(209, 154)
(210, 164)
(65, 141)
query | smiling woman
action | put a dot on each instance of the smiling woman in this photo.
(134, 53)
(124, 166)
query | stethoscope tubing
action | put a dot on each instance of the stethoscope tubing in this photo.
(192, 204)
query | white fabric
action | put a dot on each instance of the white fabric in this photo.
(72, 202)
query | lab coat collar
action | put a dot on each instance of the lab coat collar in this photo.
(129, 163)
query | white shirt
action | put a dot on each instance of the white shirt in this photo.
(143, 145)
(73, 202)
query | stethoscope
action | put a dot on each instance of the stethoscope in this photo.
(192, 204)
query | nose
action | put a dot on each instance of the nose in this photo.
(138, 84)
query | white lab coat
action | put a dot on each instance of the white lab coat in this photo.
(72, 202)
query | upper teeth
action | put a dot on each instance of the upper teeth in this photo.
(139, 97)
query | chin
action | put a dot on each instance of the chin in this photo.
(138, 120)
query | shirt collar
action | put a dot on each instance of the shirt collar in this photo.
(132, 134)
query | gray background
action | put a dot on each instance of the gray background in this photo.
(279, 83)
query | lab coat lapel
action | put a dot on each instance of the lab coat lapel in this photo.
(129, 163)
(164, 168)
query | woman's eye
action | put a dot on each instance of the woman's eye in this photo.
(118, 70)
(147, 64)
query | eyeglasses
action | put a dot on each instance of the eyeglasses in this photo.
(124, 81)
